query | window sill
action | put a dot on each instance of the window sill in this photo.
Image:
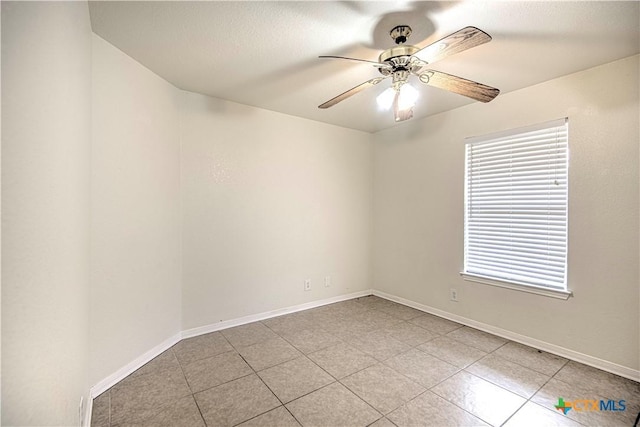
(552, 293)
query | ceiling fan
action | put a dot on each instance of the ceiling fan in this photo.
(402, 61)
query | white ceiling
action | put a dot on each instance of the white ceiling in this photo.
(265, 53)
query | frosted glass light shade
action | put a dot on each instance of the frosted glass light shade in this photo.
(407, 97)
(385, 99)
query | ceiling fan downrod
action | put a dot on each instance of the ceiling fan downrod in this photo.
(400, 33)
(400, 53)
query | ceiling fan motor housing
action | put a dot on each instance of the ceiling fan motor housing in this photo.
(405, 50)
(400, 59)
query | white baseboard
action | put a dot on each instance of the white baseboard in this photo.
(269, 314)
(88, 412)
(605, 365)
(126, 370)
(132, 366)
(137, 363)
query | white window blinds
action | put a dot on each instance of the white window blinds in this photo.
(516, 206)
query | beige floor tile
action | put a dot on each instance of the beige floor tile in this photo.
(228, 391)
(307, 315)
(295, 378)
(532, 415)
(345, 308)
(429, 409)
(486, 401)
(515, 378)
(342, 360)
(290, 323)
(478, 339)
(400, 311)
(310, 340)
(452, 351)
(212, 371)
(421, 367)
(138, 397)
(266, 354)
(606, 383)
(346, 330)
(332, 406)
(549, 394)
(382, 387)
(435, 324)
(249, 334)
(191, 349)
(409, 333)
(100, 410)
(236, 401)
(373, 302)
(326, 318)
(379, 345)
(532, 358)
(165, 360)
(327, 314)
(330, 314)
(375, 319)
(279, 417)
(382, 422)
(182, 413)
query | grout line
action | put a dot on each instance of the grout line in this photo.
(262, 381)
(367, 308)
(313, 391)
(182, 370)
(199, 410)
(291, 413)
(361, 398)
(515, 412)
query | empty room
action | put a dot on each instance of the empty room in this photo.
(320, 213)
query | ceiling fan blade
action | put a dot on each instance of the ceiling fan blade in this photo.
(351, 92)
(374, 63)
(459, 41)
(458, 85)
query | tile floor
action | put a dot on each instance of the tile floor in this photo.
(366, 361)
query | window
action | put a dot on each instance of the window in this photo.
(516, 209)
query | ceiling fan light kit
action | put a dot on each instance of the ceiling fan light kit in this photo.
(402, 97)
(401, 61)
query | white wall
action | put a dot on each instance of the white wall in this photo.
(46, 108)
(135, 205)
(418, 225)
(264, 201)
(268, 201)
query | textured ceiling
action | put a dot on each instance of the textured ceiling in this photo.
(265, 53)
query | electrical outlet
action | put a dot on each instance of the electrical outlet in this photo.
(307, 284)
(454, 295)
(327, 281)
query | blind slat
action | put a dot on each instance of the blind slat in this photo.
(516, 205)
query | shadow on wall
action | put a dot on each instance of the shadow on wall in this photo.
(411, 131)
(199, 103)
